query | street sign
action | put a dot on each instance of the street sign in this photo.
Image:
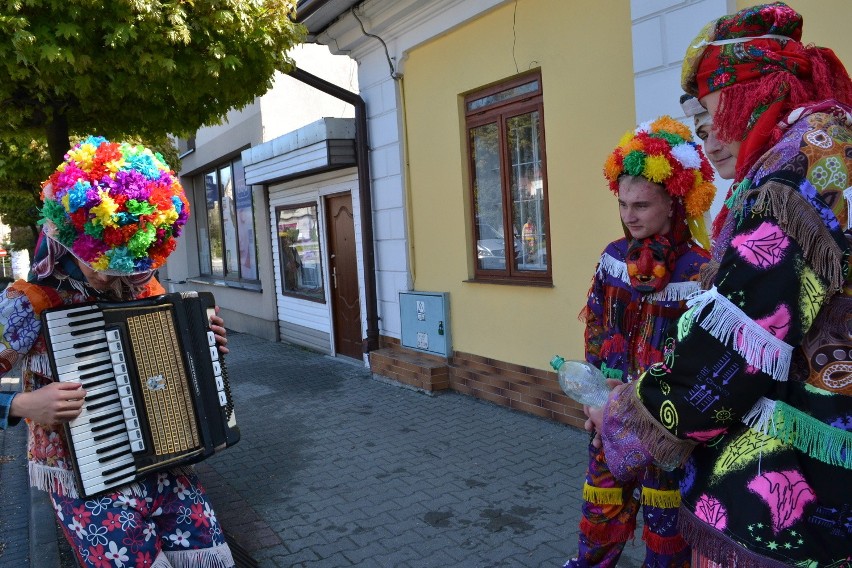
(3, 252)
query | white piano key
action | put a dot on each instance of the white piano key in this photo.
(95, 457)
(87, 447)
(77, 311)
(86, 416)
(95, 466)
(74, 361)
(61, 343)
(58, 327)
(81, 442)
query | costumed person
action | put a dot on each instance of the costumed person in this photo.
(110, 217)
(755, 398)
(718, 153)
(663, 183)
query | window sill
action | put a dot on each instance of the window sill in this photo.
(247, 286)
(511, 282)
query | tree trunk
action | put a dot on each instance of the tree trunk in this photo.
(58, 139)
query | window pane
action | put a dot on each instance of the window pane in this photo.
(528, 215)
(214, 224)
(229, 222)
(245, 224)
(299, 249)
(201, 226)
(488, 199)
(502, 95)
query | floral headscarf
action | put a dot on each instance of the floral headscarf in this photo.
(116, 207)
(663, 152)
(756, 59)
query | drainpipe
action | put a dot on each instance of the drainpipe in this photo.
(371, 343)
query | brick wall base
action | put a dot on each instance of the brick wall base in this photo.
(521, 388)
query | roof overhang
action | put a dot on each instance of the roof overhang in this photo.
(317, 15)
(325, 145)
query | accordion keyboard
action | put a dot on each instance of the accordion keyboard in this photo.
(106, 433)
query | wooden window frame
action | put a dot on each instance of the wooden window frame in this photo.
(500, 112)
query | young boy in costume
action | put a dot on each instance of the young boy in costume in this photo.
(663, 183)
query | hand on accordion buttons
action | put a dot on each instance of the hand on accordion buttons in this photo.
(217, 326)
(54, 403)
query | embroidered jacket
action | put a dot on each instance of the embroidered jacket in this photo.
(756, 395)
(626, 330)
(21, 305)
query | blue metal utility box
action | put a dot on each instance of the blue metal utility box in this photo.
(425, 320)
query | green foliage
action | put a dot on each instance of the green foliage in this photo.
(134, 70)
(24, 164)
(146, 67)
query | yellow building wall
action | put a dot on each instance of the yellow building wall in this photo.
(583, 48)
(825, 23)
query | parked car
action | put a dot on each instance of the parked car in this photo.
(491, 247)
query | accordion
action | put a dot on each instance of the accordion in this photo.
(157, 392)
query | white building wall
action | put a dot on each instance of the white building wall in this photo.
(662, 30)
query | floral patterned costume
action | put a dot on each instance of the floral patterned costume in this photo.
(164, 520)
(755, 396)
(625, 334)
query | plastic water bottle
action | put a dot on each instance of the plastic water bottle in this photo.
(581, 381)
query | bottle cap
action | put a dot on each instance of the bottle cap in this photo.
(556, 362)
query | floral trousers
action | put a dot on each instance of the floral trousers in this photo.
(163, 521)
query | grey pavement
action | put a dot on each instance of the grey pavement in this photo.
(339, 468)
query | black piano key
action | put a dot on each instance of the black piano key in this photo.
(111, 456)
(95, 422)
(91, 352)
(94, 374)
(110, 480)
(87, 343)
(109, 434)
(122, 444)
(97, 319)
(91, 385)
(92, 407)
(98, 396)
(85, 366)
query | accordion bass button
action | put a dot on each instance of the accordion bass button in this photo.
(211, 339)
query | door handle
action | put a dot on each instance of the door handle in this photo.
(334, 276)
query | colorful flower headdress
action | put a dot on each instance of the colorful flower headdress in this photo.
(115, 206)
(664, 152)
